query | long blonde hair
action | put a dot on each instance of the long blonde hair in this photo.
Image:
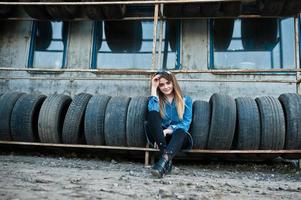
(177, 95)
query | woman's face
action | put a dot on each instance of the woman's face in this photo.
(165, 86)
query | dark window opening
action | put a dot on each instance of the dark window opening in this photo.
(129, 44)
(252, 44)
(48, 44)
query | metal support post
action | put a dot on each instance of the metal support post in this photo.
(154, 65)
(297, 54)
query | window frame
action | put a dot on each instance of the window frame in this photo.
(32, 45)
(94, 52)
(211, 47)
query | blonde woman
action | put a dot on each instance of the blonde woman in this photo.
(168, 120)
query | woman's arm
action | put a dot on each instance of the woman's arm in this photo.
(153, 101)
(154, 85)
(187, 117)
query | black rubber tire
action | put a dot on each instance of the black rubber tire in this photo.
(93, 12)
(136, 116)
(272, 123)
(291, 8)
(247, 136)
(223, 120)
(230, 9)
(210, 9)
(51, 118)
(73, 128)
(5, 10)
(24, 118)
(124, 36)
(172, 10)
(172, 34)
(259, 34)
(7, 102)
(37, 12)
(114, 11)
(200, 124)
(291, 104)
(222, 31)
(191, 10)
(249, 8)
(270, 7)
(115, 121)
(43, 35)
(95, 120)
(62, 12)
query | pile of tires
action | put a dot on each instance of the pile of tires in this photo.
(264, 123)
(280, 8)
(69, 12)
(223, 123)
(85, 119)
(208, 9)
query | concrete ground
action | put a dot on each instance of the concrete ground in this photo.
(48, 177)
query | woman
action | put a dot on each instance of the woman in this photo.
(168, 120)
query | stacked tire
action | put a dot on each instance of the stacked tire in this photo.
(208, 9)
(264, 123)
(69, 12)
(223, 123)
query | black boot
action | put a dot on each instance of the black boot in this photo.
(160, 168)
(169, 167)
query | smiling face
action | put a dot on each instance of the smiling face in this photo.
(165, 86)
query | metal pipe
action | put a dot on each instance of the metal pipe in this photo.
(142, 71)
(71, 79)
(117, 2)
(156, 13)
(160, 40)
(297, 53)
(151, 17)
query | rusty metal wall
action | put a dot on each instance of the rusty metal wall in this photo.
(14, 48)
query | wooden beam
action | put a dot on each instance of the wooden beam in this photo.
(201, 151)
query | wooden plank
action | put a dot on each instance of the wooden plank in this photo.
(201, 151)
(82, 146)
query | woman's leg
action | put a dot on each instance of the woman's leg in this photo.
(178, 139)
(164, 165)
(155, 129)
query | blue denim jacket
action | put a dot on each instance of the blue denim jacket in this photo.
(171, 119)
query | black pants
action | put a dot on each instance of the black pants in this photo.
(171, 144)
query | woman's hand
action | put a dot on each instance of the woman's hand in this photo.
(167, 132)
(155, 84)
